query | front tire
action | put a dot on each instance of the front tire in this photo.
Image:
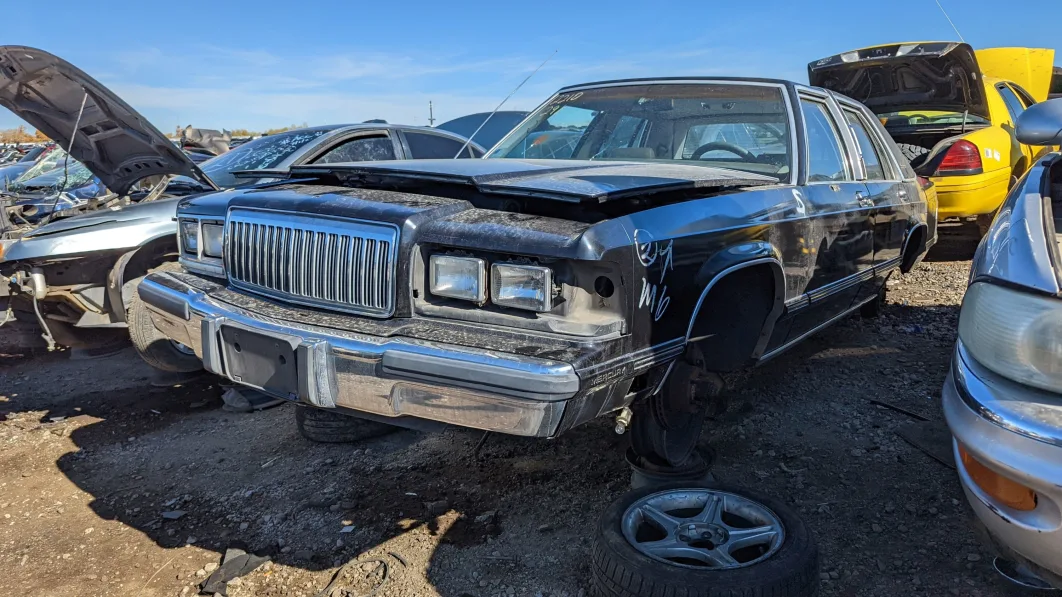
(156, 349)
(329, 427)
(734, 552)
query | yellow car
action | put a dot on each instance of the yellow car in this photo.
(952, 112)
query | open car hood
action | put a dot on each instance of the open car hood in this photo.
(116, 143)
(574, 181)
(904, 77)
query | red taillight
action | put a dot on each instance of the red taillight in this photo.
(962, 156)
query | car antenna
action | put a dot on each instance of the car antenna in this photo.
(70, 147)
(511, 93)
(950, 21)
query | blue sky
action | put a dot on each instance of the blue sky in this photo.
(234, 64)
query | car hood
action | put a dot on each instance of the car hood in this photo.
(574, 181)
(902, 77)
(118, 144)
(164, 210)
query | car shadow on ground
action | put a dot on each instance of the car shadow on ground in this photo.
(467, 514)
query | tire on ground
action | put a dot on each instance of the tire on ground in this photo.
(329, 427)
(156, 349)
(619, 570)
(914, 153)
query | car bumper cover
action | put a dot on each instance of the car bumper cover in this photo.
(1016, 432)
(382, 376)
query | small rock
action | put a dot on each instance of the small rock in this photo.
(544, 528)
(303, 554)
(200, 573)
(318, 501)
(824, 576)
(244, 525)
(191, 540)
(348, 504)
(834, 575)
(876, 528)
(285, 549)
(347, 529)
(487, 517)
(857, 452)
(334, 507)
(212, 566)
(973, 557)
(173, 514)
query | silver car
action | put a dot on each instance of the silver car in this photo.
(77, 275)
(1003, 396)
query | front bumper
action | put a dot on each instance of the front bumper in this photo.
(1015, 431)
(398, 376)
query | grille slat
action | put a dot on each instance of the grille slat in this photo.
(340, 264)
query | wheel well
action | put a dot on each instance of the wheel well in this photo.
(916, 239)
(135, 264)
(736, 317)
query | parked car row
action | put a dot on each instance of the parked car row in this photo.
(625, 244)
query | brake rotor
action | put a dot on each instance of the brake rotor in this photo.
(667, 426)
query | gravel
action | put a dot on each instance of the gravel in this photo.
(519, 520)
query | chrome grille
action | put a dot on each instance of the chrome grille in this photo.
(347, 265)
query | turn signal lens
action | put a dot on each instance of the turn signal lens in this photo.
(963, 156)
(1010, 493)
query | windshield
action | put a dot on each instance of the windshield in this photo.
(927, 118)
(738, 126)
(32, 154)
(260, 154)
(48, 162)
(76, 175)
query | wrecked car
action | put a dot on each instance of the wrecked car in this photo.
(952, 112)
(77, 272)
(1003, 396)
(695, 226)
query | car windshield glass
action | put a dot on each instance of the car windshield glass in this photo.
(927, 118)
(48, 162)
(260, 154)
(729, 125)
(32, 154)
(75, 175)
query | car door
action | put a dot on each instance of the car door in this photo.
(425, 146)
(840, 236)
(1017, 101)
(362, 146)
(886, 191)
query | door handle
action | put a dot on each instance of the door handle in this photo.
(863, 200)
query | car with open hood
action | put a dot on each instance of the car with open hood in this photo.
(951, 110)
(683, 228)
(1003, 396)
(75, 270)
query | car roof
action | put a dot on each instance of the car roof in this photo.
(671, 80)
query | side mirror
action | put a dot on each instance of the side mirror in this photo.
(1041, 124)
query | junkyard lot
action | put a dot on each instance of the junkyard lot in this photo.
(81, 498)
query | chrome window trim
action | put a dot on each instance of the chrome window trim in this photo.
(844, 145)
(314, 222)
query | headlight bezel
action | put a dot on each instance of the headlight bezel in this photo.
(195, 259)
(1004, 330)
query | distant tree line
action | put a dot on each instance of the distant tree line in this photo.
(19, 134)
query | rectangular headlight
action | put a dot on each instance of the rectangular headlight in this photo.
(189, 230)
(458, 277)
(212, 239)
(1016, 334)
(522, 286)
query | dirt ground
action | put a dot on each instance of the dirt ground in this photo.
(91, 456)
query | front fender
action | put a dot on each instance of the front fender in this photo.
(102, 236)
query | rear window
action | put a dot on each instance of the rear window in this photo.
(893, 120)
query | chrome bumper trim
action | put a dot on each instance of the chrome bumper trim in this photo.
(392, 377)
